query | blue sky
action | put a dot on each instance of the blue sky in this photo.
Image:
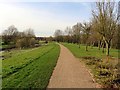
(43, 17)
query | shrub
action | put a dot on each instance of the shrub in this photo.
(32, 42)
(104, 72)
(25, 42)
(103, 65)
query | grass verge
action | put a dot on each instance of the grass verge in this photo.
(36, 73)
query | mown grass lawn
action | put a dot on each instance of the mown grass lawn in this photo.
(105, 70)
(30, 68)
(92, 52)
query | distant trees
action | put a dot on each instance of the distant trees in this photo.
(19, 39)
(50, 39)
(10, 34)
(58, 35)
(68, 34)
(29, 38)
(79, 33)
(76, 33)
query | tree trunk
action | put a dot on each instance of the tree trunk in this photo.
(107, 42)
(99, 45)
(111, 45)
(103, 47)
(92, 44)
(107, 49)
(86, 47)
(79, 45)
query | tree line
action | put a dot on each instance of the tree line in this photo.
(101, 31)
(25, 39)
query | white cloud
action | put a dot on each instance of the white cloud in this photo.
(43, 22)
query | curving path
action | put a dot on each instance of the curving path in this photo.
(70, 72)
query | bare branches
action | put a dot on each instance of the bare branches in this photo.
(106, 20)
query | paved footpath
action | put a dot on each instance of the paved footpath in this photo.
(70, 72)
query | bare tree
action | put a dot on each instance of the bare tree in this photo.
(106, 19)
(29, 33)
(97, 35)
(26, 39)
(68, 31)
(68, 34)
(10, 35)
(58, 35)
(76, 32)
(29, 37)
(86, 32)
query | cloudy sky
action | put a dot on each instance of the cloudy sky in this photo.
(43, 17)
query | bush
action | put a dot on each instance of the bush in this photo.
(103, 65)
(25, 42)
(91, 60)
(21, 43)
(46, 42)
(103, 72)
(32, 42)
(18, 43)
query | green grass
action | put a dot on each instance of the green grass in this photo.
(31, 68)
(92, 52)
(3, 46)
(19, 58)
(6, 46)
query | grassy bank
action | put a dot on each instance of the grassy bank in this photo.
(104, 70)
(30, 68)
